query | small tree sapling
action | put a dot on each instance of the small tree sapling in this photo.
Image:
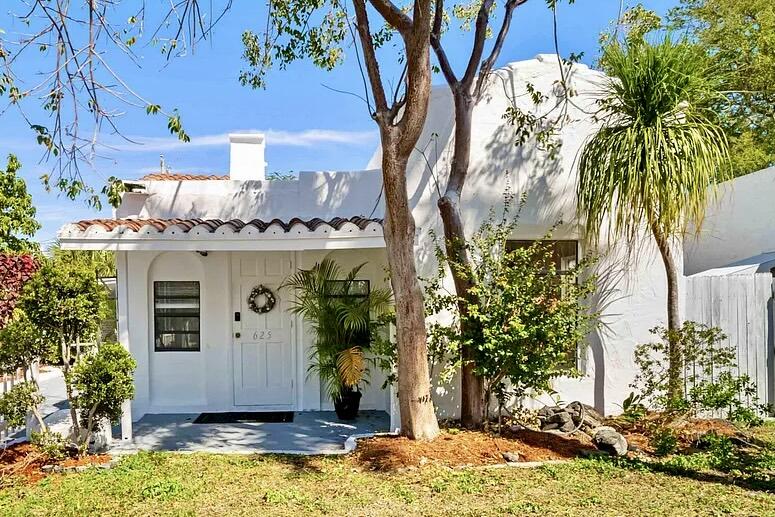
(65, 302)
(22, 346)
(103, 381)
(527, 316)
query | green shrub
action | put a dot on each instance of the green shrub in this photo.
(707, 368)
(523, 318)
(52, 444)
(16, 402)
(664, 441)
(104, 381)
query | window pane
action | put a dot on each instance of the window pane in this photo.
(564, 253)
(177, 324)
(177, 342)
(176, 315)
(565, 258)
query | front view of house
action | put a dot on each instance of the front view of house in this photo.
(202, 259)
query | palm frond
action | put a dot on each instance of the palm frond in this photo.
(351, 366)
(660, 151)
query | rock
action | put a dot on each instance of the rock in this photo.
(561, 417)
(47, 468)
(610, 440)
(511, 457)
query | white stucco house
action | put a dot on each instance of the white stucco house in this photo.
(199, 244)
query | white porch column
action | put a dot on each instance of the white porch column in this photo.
(122, 308)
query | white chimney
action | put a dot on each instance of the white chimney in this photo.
(246, 156)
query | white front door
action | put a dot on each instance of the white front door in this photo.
(263, 343)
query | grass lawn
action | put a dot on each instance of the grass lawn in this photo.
(202, 484)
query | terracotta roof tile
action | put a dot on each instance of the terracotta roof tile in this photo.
(214, 224)
(169, 176)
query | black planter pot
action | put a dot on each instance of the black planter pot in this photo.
(347, 405)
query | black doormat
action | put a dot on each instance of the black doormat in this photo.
(235, 417)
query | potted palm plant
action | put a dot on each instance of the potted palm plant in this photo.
(344, 313)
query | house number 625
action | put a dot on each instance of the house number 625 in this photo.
(262, 334)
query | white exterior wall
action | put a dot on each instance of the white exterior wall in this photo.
(189, 382)
(738, 225)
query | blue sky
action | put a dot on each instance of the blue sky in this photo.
(308, 125)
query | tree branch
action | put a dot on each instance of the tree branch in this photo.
(441, 55)
(486, 67)
(480, 36)
(393, 15)
(370, 57)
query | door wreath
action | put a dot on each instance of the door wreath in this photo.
(269, 299)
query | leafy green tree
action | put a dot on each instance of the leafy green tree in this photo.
(740, 37)
(103, 381)
(17, 213)
(527, 316)
(65, 301)
(468, 87)
(659, 150)
(22, 346)
(101, 262)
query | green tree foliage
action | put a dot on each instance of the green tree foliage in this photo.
(17, 213)
(101, 262)
(527, 317)
(659, 149)
(708, 374)
(344, 318)
(740, 37)
(64, 300)
(16, 402)
(103, 380)
(22, 344)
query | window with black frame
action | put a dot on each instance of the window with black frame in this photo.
(352, 292)
(565, 256)
(176, 310)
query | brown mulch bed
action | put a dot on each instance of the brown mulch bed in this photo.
(688, 430)
(454, 448)
(25, 461)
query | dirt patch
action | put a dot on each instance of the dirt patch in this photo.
(25, 461)
(688, 431)
(455, 448)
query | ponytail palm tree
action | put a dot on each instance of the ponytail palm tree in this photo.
(653, 163)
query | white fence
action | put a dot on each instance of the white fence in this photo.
(741, 305)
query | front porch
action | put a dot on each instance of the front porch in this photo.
(311, 432)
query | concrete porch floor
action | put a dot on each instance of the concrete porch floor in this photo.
(311, 432)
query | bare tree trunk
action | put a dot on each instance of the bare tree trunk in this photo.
(674, 385)
(418, 417)
(466, 91)
(400, 123)
(471, 385)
